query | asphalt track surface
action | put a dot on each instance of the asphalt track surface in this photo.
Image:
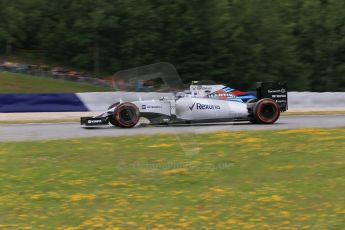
(52, 131)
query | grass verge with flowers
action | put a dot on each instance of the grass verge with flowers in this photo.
(231, 180)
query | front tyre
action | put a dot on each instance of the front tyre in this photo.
(126, 115)
(266, 111)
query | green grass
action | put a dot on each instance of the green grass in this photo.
(289, 179)
(20, 83)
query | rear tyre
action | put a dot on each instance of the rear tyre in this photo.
(266, 111)
(126, 115)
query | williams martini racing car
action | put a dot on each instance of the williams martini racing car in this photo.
(200, 104)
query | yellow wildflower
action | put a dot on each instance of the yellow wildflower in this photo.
(118, 183)
(174, 171)
(35, 196)
(160, 145)
(232, 221)
(218, 190)
(285, 213)
(270, 199)
(78, 197)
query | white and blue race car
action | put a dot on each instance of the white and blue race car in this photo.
(202, 103)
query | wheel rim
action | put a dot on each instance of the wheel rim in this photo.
(127, 115)
(268, 111)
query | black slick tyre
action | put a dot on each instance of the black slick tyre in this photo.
(126, 115)
(266, 111)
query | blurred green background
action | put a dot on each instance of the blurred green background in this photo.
(236, 42)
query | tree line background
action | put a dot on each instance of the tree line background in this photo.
(237, 42)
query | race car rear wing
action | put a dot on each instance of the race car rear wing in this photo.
(274, 90)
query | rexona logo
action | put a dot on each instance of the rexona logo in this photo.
(200, 106)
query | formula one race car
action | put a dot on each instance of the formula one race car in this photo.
(202, 103)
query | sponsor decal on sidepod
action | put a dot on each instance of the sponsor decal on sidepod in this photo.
(200, 106)
(151, 107)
